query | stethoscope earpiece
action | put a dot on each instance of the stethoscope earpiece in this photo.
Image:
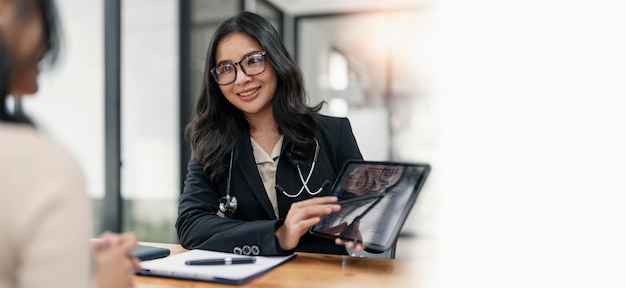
(305, 181)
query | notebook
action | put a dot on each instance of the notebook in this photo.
(376, 198)
(174, 267)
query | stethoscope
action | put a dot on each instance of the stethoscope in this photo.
(228, 203)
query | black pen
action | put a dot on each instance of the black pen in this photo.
(221, 261)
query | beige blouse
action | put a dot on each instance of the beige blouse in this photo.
(45, 215)
(267, 164)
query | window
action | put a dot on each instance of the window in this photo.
(70, 105)
(149, 119)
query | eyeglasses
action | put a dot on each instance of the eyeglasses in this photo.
(252, 64)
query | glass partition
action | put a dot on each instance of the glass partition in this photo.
(149, 124)
(70, 104)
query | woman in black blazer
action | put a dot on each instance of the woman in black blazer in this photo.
(253, 103)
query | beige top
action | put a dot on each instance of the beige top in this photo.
(45, 216)
(267, 165)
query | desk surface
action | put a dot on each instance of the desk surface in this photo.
(313, 270)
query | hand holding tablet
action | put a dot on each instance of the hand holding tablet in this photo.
(375, 199)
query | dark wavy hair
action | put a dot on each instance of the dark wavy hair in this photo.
(26, 8)
(219, 126)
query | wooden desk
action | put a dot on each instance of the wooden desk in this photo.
(313, 270)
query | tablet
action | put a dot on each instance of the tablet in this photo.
(376, 198)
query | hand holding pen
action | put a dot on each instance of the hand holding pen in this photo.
(109, 240)
(114, 265)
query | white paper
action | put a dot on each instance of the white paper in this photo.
(174, 266)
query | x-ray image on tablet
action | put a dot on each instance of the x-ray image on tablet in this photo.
(375, 199)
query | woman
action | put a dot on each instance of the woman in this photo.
(262, 160)
(45, 220)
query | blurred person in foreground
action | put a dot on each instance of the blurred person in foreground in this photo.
(45, 216)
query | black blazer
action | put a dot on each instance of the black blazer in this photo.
(253, 225)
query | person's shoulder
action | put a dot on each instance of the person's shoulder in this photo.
(19, 139)
(16, 133)
(26, 146)
(333, 128)
(330, 121)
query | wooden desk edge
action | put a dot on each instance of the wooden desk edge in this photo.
(312, 270)
(177, 248)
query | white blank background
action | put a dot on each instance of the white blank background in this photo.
(534, 144)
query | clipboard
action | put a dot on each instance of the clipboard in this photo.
(174, 267)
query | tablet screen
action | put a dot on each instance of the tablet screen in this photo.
(375, 199)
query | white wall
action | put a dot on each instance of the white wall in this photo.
(150, 96)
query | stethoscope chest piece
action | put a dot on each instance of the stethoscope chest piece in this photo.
(228, 205)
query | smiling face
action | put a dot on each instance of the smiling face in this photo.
(252, 95)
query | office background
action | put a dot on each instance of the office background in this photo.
(131, 70)
(519, 107)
